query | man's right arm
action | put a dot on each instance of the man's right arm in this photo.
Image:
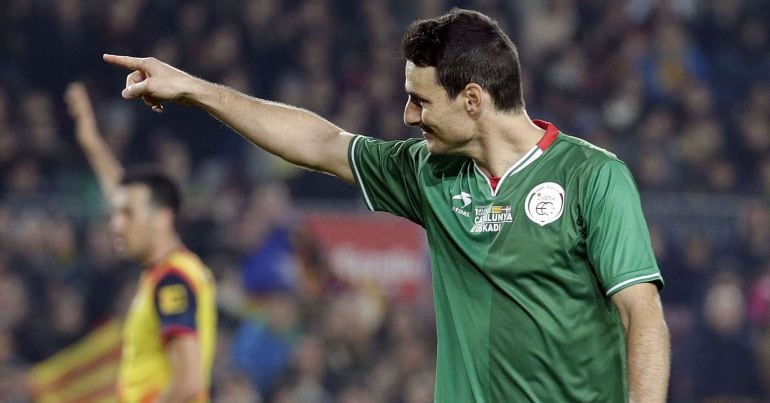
(294, 134)
(107, 168)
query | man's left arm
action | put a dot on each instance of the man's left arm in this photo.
(186, 383)
(647, 342)
(176, 305)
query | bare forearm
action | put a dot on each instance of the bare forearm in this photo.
(107, 168)
(648, 353)
(186, 373)
(177, 392)
(296, 135)
(647, 343)
(293, 134)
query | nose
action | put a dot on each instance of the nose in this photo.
(412, 114)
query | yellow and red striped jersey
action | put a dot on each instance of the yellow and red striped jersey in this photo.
(174, 298)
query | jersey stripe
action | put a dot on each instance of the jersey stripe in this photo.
(157, 274)
(538, 152)
(524, 162)
(640, 278)
(174, 331)
(551, 132)
(358, 174)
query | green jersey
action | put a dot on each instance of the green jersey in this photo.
(522, 271)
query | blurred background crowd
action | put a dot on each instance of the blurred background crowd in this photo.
(679, 89)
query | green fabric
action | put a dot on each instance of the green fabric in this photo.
(521, 277)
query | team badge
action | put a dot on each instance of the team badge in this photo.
(545, 203)
(172, 299)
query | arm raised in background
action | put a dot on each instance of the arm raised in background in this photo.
(107, 168)
(648, 348)
(296, 135)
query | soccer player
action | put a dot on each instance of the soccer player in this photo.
(169, 331)
(545, 283)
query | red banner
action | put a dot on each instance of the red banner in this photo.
(373, 247)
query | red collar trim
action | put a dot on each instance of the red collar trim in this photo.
(164, 261)
(550, 133)
(493, 181)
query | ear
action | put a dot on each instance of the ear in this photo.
(473, 96)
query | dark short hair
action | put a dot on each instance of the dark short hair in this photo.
(467, 47)
(163, 191)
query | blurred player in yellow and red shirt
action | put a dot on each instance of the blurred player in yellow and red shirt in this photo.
(170, 329)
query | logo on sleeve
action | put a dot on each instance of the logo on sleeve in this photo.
(545, 203)
(172, 299)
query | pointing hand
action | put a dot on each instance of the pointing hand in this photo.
(152, 80)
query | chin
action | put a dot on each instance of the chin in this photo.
(440, 149)
(433, 150)
(433, 147)
(125, 253)
(120, 250)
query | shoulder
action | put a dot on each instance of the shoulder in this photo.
(411, 154)
(412, 146)
(186, 260)
(582, 151)
(184, 266)
(588, 168)
(585, 160)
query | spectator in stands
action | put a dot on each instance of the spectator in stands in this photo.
(724, 365)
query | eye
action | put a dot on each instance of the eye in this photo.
(416, 101)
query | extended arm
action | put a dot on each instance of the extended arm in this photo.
(107, 168)
(294, 134)
(186, 373)
(647, 342)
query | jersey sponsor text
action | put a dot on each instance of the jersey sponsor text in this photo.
(491, 218)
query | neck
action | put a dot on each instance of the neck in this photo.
(504, 139)
(162, 248)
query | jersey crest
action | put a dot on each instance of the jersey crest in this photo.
(545, 203)
(172, 299)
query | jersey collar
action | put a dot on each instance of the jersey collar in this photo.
(551, 132)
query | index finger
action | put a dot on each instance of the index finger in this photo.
(132, 63)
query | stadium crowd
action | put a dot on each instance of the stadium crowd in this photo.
(679, 89)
